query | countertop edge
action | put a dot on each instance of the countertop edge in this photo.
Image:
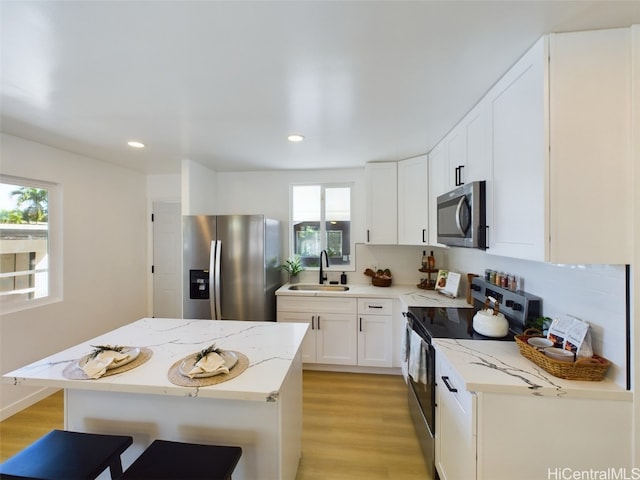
(165, 390)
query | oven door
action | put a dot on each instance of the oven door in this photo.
(424, 387)
(421, 389)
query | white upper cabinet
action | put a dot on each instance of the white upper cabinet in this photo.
(468, 148)
(590, 168)
(382, 203)
(456, 143)
(517, 227)
(478, 127)
(413, 201)
(438, 184)
(561, 151)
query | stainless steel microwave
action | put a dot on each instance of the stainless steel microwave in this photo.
(462, 216)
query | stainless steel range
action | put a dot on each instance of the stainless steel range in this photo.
(426, 323)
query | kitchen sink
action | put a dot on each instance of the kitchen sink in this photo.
(319, 288)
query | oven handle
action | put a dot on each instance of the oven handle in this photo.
(410, 318)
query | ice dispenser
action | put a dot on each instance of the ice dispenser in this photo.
(199, 284)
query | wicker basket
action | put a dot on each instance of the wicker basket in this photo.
(380, 282)
(591, 369)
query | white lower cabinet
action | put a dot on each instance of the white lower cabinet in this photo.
(455, 426)
(332, 338)
(375, 332)
(343, 331)
(528, 435)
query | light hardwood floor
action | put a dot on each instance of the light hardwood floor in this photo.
(356, 426)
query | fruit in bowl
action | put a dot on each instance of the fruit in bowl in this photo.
(379, 278)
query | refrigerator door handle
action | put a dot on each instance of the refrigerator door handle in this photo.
(216, 311)
(212, 279)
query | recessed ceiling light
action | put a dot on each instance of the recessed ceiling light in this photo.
(135, 144)
(295, 138)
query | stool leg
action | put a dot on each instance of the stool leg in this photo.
(116, 468)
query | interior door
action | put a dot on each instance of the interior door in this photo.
(167, 254)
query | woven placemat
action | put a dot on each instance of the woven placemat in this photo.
(74, 372)
(181, 380)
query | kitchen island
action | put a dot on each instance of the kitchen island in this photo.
(260, 410)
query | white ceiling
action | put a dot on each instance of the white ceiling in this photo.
(223, 83)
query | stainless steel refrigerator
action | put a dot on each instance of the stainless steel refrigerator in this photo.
(231, 267)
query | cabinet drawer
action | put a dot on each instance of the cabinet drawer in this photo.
(300, 303)
(374, 306)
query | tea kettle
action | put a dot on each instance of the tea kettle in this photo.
(489, 321)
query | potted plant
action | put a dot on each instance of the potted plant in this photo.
(293, 266)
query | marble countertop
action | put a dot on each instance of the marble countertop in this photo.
(497, 366)
(269, 346)
(410, 295)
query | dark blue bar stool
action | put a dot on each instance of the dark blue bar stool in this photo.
(68, 455)
(164, 460)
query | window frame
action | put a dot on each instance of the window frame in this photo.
(54, 243)
(351, 266)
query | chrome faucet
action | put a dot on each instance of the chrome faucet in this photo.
(323, 277)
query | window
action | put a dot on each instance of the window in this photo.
(28, 242)
(321, 220)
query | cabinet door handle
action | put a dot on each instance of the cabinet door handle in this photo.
(374, 306)
(448, 384)
(458, 176)
(318, 322)
(368, 236)
(360, 323)
(424, 235)
(313, 321)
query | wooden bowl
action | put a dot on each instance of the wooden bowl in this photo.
(380, 282)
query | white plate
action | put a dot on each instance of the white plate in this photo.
(133, 353)
(559, 354)
(230, 359)
(540, 342)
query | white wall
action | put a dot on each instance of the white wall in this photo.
(267, 193)
(198, 189)
(104, 258)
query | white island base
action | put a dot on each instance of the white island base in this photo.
(268, 432)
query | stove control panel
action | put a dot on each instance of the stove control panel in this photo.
(517, 306)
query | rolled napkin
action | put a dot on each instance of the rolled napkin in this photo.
(98, 365)
(211, 362)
